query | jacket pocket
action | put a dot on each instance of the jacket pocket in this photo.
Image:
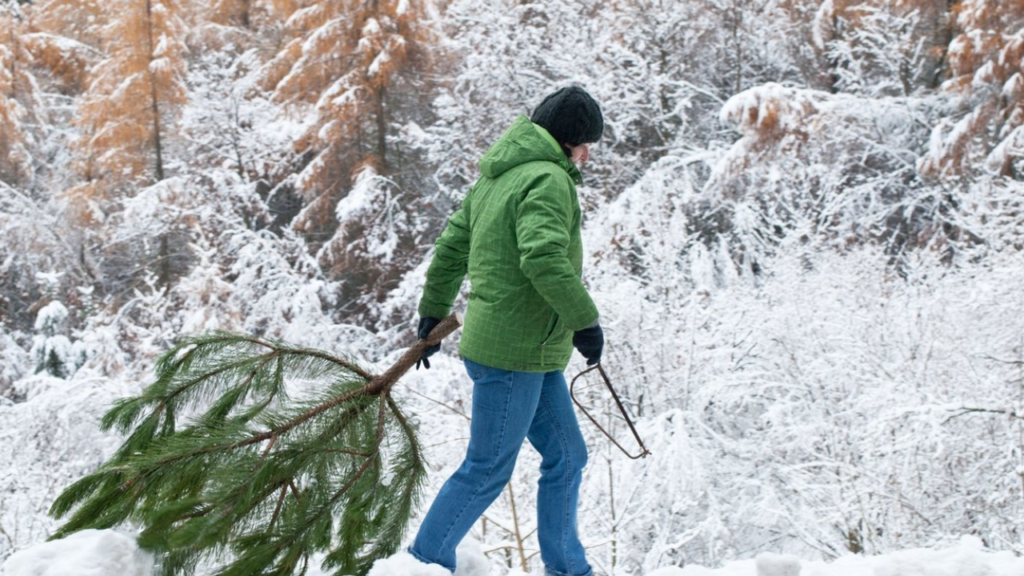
(550, 329)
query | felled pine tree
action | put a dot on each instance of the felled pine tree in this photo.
(219, 465)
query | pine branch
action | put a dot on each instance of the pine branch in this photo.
(252, 480)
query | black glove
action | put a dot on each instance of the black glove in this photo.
(427, 324)
(590, 343)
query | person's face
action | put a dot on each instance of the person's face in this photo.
(580, 153)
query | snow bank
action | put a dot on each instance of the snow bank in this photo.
(110, 553)
(85, 553)
(969, 558)
(470, 559)
(403, 563)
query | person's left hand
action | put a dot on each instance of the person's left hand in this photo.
(427, 324)
(590, 343)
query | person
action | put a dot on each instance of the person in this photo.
(517, 237)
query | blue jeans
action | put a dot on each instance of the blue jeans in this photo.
(508, 407)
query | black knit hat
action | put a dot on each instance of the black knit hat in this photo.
(571, 116)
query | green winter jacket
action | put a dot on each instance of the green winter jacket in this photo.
(517, 235)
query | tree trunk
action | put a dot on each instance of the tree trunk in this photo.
(382, 129)
(945, 35)
(385, 381)
(154, 102)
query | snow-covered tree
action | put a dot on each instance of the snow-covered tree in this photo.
(65, 38)
(52, 351)
(374, 226)
(361, 67)
(342, 61)
(78, 20)
(883, 47)
(20, 102)
(986, 68)
(507, 57)
(129, 111)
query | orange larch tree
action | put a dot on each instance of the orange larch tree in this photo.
(986, 68)
(343, 59)
(346, 60)
(64, 38)
(79, 20)
(230, 12)
(129, 109)
(19, 98)
(261, 18)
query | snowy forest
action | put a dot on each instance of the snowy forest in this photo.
(803, 227)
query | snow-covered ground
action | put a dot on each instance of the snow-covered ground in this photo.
(110, 553)
(85, 553)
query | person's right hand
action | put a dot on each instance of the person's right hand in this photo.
(427, 324)
(590, 343)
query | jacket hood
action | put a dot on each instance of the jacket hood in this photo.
(524, 142)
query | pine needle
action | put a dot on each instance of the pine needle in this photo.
(219, 465)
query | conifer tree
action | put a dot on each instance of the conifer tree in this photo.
(64, 38)
(19, 99)
(263, 17)
(129, 109)
(220, 465)
(79, 20)
(345, 61)
(231, 12)
(986, 68)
